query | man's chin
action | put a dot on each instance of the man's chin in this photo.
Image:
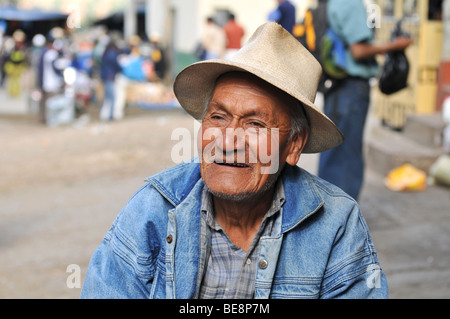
(233, 197)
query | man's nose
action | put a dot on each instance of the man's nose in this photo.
(233, 138)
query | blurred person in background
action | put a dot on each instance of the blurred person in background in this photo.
(234, 33)
(16, 64)
(213, 40)
(7, 48)
(347, 103)
(51, 68)
(284, 14)
(109, 68)
(3, 54)
(38, 46)
(136, 66)
(158, 55)
(83, 63)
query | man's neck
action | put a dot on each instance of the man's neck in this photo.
(241, 219)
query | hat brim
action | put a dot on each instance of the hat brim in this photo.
(193, 86)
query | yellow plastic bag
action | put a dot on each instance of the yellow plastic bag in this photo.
(406, 178)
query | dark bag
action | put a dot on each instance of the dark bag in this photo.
(394, 74)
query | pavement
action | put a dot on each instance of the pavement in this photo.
(62, 187)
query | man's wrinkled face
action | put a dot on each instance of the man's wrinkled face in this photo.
(245, 137)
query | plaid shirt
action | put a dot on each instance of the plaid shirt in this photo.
(228, 271)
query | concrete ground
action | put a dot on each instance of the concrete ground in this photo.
(61, 188)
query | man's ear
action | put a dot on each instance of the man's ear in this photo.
(298, 143)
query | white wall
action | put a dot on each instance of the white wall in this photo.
(185, 25)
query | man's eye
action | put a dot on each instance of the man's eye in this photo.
(256, 124)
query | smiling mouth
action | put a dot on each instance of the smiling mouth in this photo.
(239, 165)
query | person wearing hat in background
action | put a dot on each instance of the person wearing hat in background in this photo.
(242, 220)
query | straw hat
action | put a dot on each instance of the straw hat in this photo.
(275, 56)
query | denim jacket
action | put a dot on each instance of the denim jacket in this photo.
(320, 245)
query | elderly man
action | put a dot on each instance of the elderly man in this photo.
(243, 221)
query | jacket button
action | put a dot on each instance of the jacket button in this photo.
(169, 239)
(263, 264)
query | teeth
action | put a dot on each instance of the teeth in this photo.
(234, 164)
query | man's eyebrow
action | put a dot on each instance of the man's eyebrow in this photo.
(257, 112)
(251, 112)
(215, 104)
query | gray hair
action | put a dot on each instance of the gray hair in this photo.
(299, 120)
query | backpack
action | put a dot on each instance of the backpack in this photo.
(324, 44)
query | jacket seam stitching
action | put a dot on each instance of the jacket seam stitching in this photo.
(347, 261)
(349, 276)
(121, 253)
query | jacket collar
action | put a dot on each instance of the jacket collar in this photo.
(176, 183)
(302, 197)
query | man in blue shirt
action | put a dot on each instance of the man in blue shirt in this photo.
(284, 15)
(347, 104)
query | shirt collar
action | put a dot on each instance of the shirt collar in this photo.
(207, 206)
